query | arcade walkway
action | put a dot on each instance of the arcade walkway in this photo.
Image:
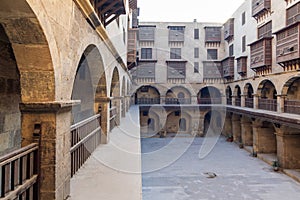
(113, 172)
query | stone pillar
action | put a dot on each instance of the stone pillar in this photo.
(50, 121)
(236, 128)
(228, 125)
(233, 100)
(194, 99)
(288, 148)
(246, 129)
(162, 99)
(280, 103)
(243, 100)
(201, 124)
(264, 140)
(255, 101)
(123, 107)
(224, 100)
(116, 102)
(102, 104)
(127, 99)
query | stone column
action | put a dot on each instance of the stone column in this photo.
(127, 97)
(116, 102)
(236, 128)
(50, 121)
(224, 100)
(280, 103)
(246, 129)
(255, 101)
(123, 106)
(102, 104)
(194, 99)
(233, 100)
(243, 100)
(228, 125)
(288, 148)
(162, 99)
(264, 140)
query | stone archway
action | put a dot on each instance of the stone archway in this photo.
(228, 95)
(267, 96)
(209, 95)
(147, 95)
(123, 100)
(178, 95)
(29, 76)
(248, 92)
(115, 103)
(237, 95)
(290, 92)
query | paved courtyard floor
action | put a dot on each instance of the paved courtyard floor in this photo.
(238, 175)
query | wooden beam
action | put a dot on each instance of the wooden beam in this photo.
(107, 8)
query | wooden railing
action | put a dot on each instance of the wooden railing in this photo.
(267, 104)
(178, 101)
(112, 117)
(19, 174)
(148, 101)
(229, 101)
(249, 102)
(209, 101)
(85, 137)
(292, 106)
(238, 102)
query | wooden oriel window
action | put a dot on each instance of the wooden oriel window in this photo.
(176, 33)
(212, 54)
(212, 69)
(176, 69)
(265, 30)
(175, 53)
(146, 33)
(293, 14)
(212, 34)
(146, 53)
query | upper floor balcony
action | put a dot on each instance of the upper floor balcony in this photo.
(261, 53)
(229, 29)
(228, 67)
(212, 70)
(259, 7)
(287, 46)
(242, 65)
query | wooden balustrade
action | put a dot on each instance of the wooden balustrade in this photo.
(292, 106)
(19, 171)
(148, 101)
(209, 101)
(178, 101)
(229, 101)
(267, 104)
(249, 102)
(238, 102)
(112, 118)
(85, 137)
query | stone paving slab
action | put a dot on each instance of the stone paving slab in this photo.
(239, 176)
(114, 170)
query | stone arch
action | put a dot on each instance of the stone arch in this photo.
(267, 96)
(291, 92)
(228, 95)
(237, 94)
(266, 89)
(31, 51)
(209, 95)
(178, 95)
(213, 123)
(248, 92)
(175, 119)
(89, 84)
(123, 94)
(116, 98)
(147, 94)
